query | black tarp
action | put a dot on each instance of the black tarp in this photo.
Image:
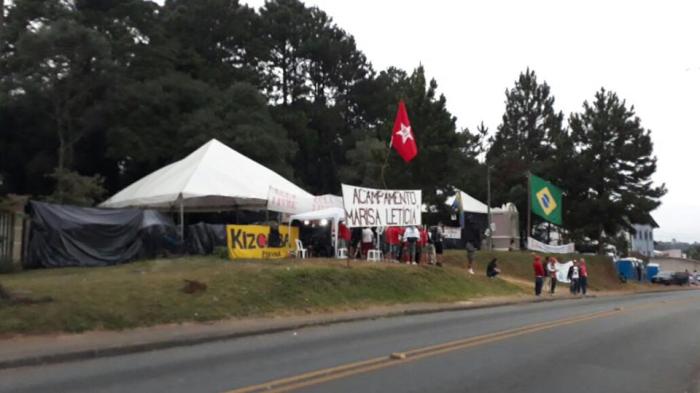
(203, 238)
(63, 235)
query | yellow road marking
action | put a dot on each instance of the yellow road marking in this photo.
(329, 374)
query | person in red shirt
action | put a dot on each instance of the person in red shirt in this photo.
(344, 235)
(539, 274)
(422, 244)
(582, 276)
(392, 237)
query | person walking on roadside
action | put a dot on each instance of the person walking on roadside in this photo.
(412, 235)
(539, 274)
(472, 241)
(583, 276)
(573, 277)
(552, 274)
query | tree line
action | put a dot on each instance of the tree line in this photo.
(96, 94)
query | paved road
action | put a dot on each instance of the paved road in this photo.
(642, 343)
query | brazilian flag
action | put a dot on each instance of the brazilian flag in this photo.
(546, 199)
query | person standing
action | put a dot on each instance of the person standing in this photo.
(422, 245)
(344, 236)
(552, 273)
(472, 240)
(367, 241)
(356, 242)
(411, 235)
(392, 237)
(573, 276)
(438, 237)
(583, 276)
(539, 274)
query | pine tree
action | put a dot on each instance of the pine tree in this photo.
(615, 190)
(526, 141)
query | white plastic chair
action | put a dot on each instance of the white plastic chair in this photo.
(300, 249)
(342, 253)
(374, 255)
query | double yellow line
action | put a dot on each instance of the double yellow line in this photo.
(329, 374)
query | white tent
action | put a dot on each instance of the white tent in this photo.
(469, 203)
(334, 214)
(213, 177)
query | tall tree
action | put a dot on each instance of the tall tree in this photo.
(526, 140)
(214, 40)
(58, 67)
(616, 189)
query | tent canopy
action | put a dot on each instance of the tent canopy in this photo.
(332, 213)
(213, 177)
(469, 203)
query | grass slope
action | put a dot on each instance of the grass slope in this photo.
(518, 264)
(149, 293)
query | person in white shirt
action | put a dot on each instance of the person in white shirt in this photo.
(367, 241)
(574, 277)
(552, 274)
(411, 235)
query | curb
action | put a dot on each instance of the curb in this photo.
(202, 339)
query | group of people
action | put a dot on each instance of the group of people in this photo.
(411, 244)
(577, 276)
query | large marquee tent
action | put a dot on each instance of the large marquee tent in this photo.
(212, 178)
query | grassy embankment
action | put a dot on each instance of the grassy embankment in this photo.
(518, 266)
(150, 292)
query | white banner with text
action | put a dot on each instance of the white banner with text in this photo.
(535, 245)
(370, 207)
(287, 202)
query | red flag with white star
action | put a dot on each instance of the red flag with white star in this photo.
(402, 138)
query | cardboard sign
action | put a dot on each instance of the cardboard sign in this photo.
(256, 242)
(369, 207)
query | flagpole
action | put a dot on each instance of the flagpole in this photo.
(386, 161)
(529, 206)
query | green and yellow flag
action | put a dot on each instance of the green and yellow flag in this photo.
(546, 199)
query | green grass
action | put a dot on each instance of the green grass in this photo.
(150, 293)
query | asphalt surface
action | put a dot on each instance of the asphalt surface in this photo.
(641, 343)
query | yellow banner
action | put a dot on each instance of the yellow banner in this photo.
(256, 241)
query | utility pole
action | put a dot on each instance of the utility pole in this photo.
(488, 204)
(529, 207)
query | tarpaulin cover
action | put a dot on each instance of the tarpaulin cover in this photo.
(203, 238)
(63, 235)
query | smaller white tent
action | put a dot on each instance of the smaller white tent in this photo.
(469, 203)
(333, 214)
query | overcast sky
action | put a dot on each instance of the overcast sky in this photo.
(647, 52)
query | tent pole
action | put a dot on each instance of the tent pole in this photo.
(335, 237)
(182, 219)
